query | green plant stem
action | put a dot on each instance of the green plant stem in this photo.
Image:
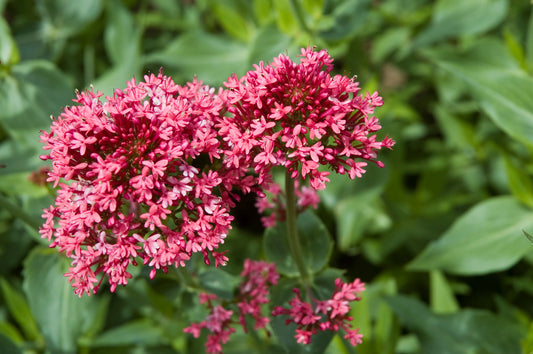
(292, 232)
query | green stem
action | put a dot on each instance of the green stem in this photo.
(292, 232)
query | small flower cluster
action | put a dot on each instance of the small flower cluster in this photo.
(143, 180)
(298, 116)
(218, 323)
(331, 314)
(252, 295)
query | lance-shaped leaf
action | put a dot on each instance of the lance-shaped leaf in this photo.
(487, 238)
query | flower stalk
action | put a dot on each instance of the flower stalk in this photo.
(292, 232)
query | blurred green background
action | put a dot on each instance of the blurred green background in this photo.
(438, 235)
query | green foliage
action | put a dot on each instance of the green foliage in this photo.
(314, 238)
(438, 235)
(61, 317)
(485, 239)
(468, 331)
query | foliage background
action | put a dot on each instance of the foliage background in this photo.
(437, 234)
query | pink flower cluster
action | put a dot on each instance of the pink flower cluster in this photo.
(298, 116)
(331, 314)
(150, 174)
(253, 294)
(144, 180)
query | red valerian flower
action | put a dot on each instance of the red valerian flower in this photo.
(139, 177)
(253, 293)
(331, 314)
(298, 116)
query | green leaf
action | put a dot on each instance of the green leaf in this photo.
(459, 133)
(262, 10)
(118, 76)
(324, 282)
(285, 17)
(212, 58)
(68, 17)
(121, 36)
(122, 39)
(19, 309)
(8, 347)
(18, 158)
(441, 295)
(9, 53)
(354, 216)
(34, 91)
(15, 240)
(487, 238)
(101, 312)
(313, 7)
(10, 331)
(453, 18)
(314, 239)
(468, 331)
(219, 283)
(139, 332)
(529, 43)
(529, 236)
(20, 184)
(527, 343)
(501, 87)
(232, 19)
(374, 317)
(341, 187)
(388, 42)
(515, 48)
(355, 205)
(346, 19)
(268, 43)
(519, 182)
(61, 316)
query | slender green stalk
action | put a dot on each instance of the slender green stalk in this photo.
(292, 232)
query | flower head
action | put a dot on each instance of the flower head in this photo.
(134, 181)
(253, 293)
(331, 314)
(299, 116)
(218, 323)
